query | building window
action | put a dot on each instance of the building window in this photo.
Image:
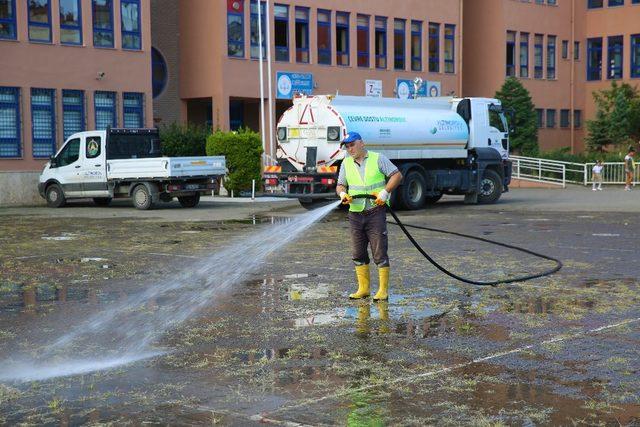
(524, 55)
(363, 41)
(72, 112)
(511, 54)
(158, 72)
(281, 31)
(416, 45)
(577, 118)
(130, 13)
(537, 56)
(342, 38)
(594, 4)
(449, 48)
(40, 20)
(70, 22)
(8, 20)
(302, 34)
(565, 49)
(103, 23)
(381, 42)
(564, 118)
(399, 34)
(616, 3)
(614, 57)
(434, 47)
(324, 37)
(235, 29)
(539, 1)
(551, 57)
(43, 122)
(255, 35)
(576, 51)
(10, 122)
(594, 59)
(552, 2)
(551, 118)
(635, 55)
(105, 108)
(540, 117)
(132, 110)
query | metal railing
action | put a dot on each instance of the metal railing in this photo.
(612, 173)
(539, 170)
(560, 173)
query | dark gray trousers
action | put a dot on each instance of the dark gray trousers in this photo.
(369, 228)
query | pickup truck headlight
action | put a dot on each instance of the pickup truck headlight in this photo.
(282, 134)
(333, 133)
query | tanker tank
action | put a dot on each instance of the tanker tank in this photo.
(397, 124)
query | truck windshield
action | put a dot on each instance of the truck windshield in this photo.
(133, 146)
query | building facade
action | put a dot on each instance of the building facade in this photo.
(330, 46)
(68, 66)
(561, 50)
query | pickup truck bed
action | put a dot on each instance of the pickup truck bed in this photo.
(165, 167)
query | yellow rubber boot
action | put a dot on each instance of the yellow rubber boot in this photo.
(383, 290)
(362, 274)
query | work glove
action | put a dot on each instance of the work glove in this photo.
(381, 197)
(346, 199)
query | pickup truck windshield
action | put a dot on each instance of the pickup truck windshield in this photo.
(133, 146)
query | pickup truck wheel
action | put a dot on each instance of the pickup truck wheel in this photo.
(413, 191)
(102, 201)
(490, 187)
(55, 196)
(189, 201)
(141, 197)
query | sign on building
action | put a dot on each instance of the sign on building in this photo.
(289, 84)
(405, 89)
(373, 88)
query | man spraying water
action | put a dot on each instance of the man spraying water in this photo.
(366, 172)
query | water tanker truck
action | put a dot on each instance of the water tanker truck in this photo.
(442, 145)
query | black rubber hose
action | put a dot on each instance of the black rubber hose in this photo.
(493, 242)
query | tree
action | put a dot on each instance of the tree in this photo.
(514, 95)
(617, 119)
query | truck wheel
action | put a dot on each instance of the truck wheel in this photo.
(141, 197)
(189, 201)
(55, 196)
(490, 187)
(430, 200)
(413, 191)
(102, 201)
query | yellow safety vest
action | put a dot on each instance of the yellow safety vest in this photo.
(374, 180)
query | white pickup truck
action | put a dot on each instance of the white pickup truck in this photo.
(126, 163)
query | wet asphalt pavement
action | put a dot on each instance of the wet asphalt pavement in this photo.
(286, 346)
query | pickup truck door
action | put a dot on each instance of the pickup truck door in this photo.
(93, 167)
(67, 169)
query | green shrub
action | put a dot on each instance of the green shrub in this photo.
(563, 154)
(183, 140)
(243, 151)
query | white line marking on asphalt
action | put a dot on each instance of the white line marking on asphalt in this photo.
(591, 248)
(605, 235)
(448, 369)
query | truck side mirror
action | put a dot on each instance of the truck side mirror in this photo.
(53, 163)
(511, 112)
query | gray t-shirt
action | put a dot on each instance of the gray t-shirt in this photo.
(384, 164)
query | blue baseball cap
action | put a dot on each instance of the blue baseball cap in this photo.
(351, 137)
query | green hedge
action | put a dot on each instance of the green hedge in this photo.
(179, 140)
(564, 155)
(243, 153)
